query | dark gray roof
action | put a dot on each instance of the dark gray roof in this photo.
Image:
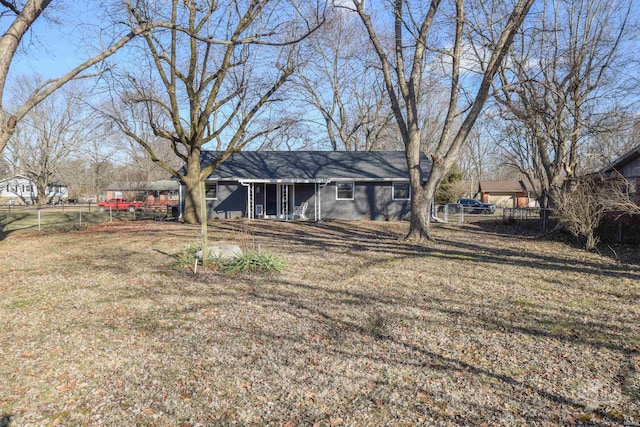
(314, 165)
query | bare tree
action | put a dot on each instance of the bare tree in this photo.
(21, 17)
(294, 134)
(135, 156)
(479, 156)
(345, 91)
(100, 154)
(48, 134)
(606, 146)
(74, 173)
(582, 208)
(90, 168)
(558, 89)
(212, 73)
(420, 31)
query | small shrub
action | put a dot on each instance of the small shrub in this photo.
(254, 262)
(582, 208)
(187, 257)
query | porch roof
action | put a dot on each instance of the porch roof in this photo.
(313, 166)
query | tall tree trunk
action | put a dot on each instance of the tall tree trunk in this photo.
(41, 188)
(191, 214)
(421, 198)
(419, 223)
(192, 195)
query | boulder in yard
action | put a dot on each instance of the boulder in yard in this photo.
(222, 252)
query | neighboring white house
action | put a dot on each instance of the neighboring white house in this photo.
(20, 190)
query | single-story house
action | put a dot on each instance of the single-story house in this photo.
(310, 184)
(21, 190)
(507, 193)
(628, 165)
(162, 192)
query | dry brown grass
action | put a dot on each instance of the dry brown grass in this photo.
(101, 327)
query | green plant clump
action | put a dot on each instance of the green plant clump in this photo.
(262, 262)
(187, 257)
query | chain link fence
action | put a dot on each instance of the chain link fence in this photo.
(530, 218)
(69, 217)
(616, 227)
(456, 213)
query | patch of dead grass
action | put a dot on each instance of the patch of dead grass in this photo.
(100, 327)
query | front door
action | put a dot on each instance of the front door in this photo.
(278, 200)
(271, 199)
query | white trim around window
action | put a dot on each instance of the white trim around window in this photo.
(403, 191)
(343, 189)
(211, 190)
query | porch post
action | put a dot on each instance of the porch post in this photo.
(319, 203)
(293, 198)
(250, 198)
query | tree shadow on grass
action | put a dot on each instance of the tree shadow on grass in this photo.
(615, 252)
(286, 297)
(6, 220)
(352, 237)
(5, 420)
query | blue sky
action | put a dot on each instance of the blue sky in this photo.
(52, 49)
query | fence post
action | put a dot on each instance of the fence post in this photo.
(110, 214)
(80, 217)
(39, 227)
(619, 231)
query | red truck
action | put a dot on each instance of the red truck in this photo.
(120, 205)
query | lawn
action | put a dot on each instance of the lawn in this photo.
(27, 219)
(103, 326)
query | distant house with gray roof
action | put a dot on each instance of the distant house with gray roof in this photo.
(507, 193)
(324, 184)
(152, 192)
(627, 165)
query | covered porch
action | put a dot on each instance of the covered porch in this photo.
(284, 200)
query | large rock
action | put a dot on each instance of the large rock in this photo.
(222, 252)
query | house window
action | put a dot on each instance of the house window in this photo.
(401, 191)
(344, 191)
(211, 191)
